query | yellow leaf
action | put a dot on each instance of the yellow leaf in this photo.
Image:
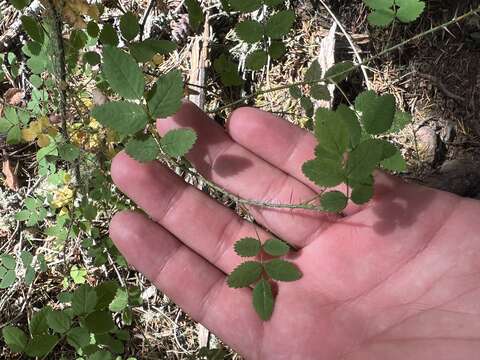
(36, 127)
(158, 59)
(44, 122)
(28, 135)
(67, 178)
(43, 140)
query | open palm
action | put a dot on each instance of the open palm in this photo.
(396, 279)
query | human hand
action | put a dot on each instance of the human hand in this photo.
(397, 278)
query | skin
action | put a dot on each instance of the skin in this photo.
(398, 278)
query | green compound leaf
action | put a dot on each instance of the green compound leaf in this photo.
(143, 149)
(41, 345)
(340, 71)
(331, 131)
(381, 17)
(165, 98)
(282, 270)
(409, 10)
(324, 172)
(276, 247)
(125, 117)
(245, 274)
(314, 72)
(361, 194)
(32, 28)
(120, 302)
(15, 338)
(99, 322)
(279, 25)
(122, 73)
(320, 92)
(256, 60)
(108, 35)
(276, 50)
(129, 26)
(263, 300)
(246, 5)
(334, 201)
(178, 142)
(78, 337)
(377, 111)
(400, 121)
(248, 247)
(379, 4)
(195, 14)
(58, 321)
(84, 300)
(395, 162)
(249, 31)
(145, 50)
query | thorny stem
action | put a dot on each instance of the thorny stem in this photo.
(363, 63)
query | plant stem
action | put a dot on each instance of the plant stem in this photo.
(363, 63)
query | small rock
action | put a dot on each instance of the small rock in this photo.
(427, 144)
(458, 176)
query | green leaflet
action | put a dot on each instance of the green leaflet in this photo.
(320, 92)
(78, 337)
(333, 201)
(99, 322)
(246, 5)
(331, 131)
(129, 26)
(165, 98)
(227, 70)
(32, 28)
(249, 31)
(282, 270)
(377, 112)
(324, 172)
(84, 300)
(122, 73)
(381, 17)
(366, 157)
(58, 321)
(395, 162)
(145, 50)
(15, 338)
(279, 25)
(314, 72)
(361, 194)
(263, 299)
(276, 50)
(108, 35)
(195, 14)
(340, 71)
(106, 292)
(256, 60)
(41, 345)
(276, 247)
(125, 117)
(120, 302)
(409, 10)
(245, 274)
(178, 142)
(143, 149)
(248, 247)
